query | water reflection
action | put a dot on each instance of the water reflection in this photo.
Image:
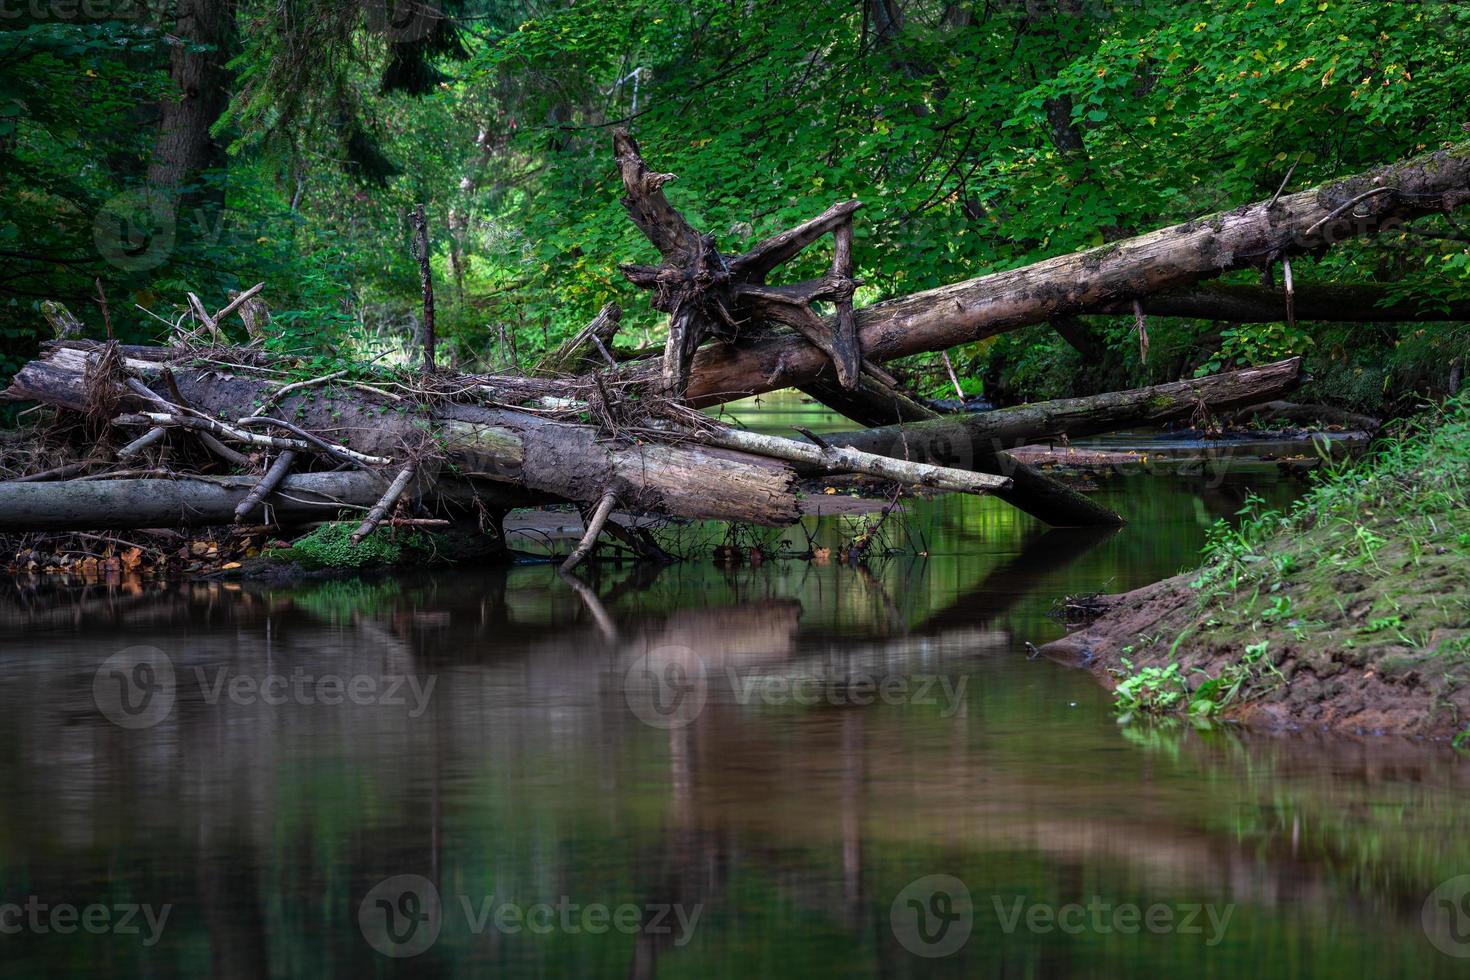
(856, 729)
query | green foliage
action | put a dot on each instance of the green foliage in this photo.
(980, 137)
(330, 546)
(1149, 690)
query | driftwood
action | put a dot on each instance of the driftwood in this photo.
(955, 439)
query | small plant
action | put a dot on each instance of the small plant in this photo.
(330, 546)
(1150, 690)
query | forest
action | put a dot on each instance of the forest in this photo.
(746, 487)
(978, 137)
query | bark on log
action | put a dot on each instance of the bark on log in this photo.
(1137, 267)
(1237, 303)
(953, 440)
(547, 459)
(186, 502)
(1032, 491)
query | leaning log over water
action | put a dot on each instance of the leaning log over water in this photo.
(1251, 235)
(962, 438)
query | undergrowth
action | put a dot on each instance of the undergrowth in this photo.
(330, 546)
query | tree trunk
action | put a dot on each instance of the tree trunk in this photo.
(953, 440)
(1137, 267)
(184, 148)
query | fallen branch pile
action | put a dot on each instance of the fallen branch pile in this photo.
(203, 432)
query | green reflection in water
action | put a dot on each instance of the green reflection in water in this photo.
(793, 827)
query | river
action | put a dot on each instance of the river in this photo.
(789, 769)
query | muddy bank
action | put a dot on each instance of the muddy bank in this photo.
(1350, 613)
(1355, 675)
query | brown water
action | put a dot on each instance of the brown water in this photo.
(729, 772)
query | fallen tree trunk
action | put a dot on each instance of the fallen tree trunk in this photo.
(954, 440)
(547, 459)
(1048, 500)
(1134, 268)
(184, 502)
(1239, 303)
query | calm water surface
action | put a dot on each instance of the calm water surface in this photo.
(711, 772)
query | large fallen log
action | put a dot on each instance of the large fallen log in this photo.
(1048, 500)
(956, 439)
(682, 472)
(185, 502)
(1134, 268)
(553, 460)
(1241, 303)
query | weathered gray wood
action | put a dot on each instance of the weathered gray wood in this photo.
(833, 458)
(1032, 491)
(952, 438)
(1169, 258)
(188, 502)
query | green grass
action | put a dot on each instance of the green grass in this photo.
(1367, 575)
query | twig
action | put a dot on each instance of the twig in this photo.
(120, 474)
(59, 473)
(269, 482)
(589, 536)
(222, 451)
(818, 440)
(1284, 181)
(953, 378)
(284, 390)
(238, 301)
(102, 302)
(843, 459)
(1343, 209)
(149, 438)
(340, 453)
(384, 504)
(204, 317)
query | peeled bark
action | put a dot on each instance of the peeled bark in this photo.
(953, 440)
(1138, 267)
